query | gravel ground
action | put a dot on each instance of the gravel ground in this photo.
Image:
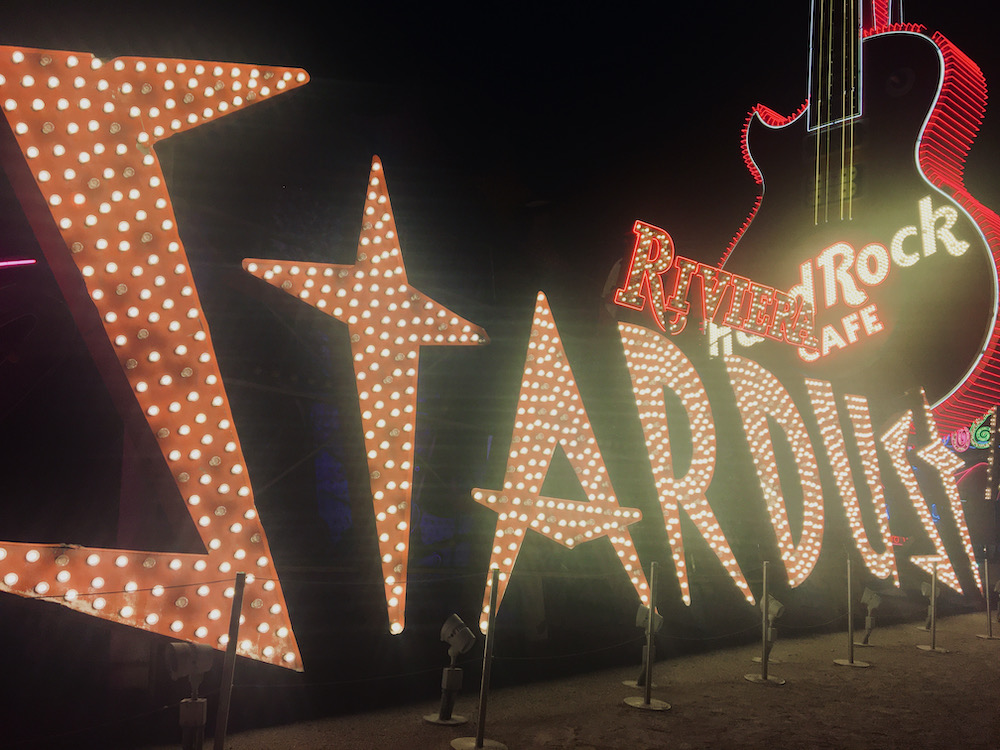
(908, 698)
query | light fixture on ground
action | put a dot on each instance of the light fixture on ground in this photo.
(642, 621)
(479, 741)
(460, 640)
(931, 591)
(872, 601)
(191, 660)
(770, 610)
(988, 636)
(652, 622)
(775, 609)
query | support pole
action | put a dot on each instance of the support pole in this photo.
(849, 661)
(934, 609)
(479, 741)
(764, 650)
(647, 703)
(765, 646)
(229, 663)
(933, 646)
(989, 615)
(648, 684)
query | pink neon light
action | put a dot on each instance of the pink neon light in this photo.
(880, 14)
(8, 263)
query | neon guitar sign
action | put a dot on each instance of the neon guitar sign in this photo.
(891, 115)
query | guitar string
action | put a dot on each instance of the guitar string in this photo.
(819, 107)
(843, 101)
(829, 90)
(855, 100)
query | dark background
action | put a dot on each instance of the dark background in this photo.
(519, 146)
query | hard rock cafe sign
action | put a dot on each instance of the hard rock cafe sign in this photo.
(827, 283)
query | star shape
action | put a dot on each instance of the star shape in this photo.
(98, 202)
(389, 321)
(551, 414)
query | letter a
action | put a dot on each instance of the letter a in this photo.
(654, 364)
(551, 414)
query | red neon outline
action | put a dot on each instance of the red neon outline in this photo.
(880, 14)
(773, 120)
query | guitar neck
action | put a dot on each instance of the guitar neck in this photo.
(834, 62)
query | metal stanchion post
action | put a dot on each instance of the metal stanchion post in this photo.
(849, 661)
(479, 741)
(933, 646)
(229, 663)
(765, 648)
(989, 618)
(646, 702)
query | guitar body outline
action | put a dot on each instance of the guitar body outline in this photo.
(938, 106)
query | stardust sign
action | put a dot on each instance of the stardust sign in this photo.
(87, 174)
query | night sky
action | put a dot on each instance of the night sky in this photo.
(558, 125)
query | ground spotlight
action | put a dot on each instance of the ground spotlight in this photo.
(460, 639)
(775, 610)
(642, 621)
(191, 660)
(931, 593)
(770, 610)
(871, 600)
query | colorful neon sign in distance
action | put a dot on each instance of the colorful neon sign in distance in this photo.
(978, 436)
(86, 130)
(752, 307)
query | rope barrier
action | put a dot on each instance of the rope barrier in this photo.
(358, 681)
(815, 626)
(751, 629)
(117, 592)
(573, 655)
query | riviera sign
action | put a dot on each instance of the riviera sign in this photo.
(749, 306)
